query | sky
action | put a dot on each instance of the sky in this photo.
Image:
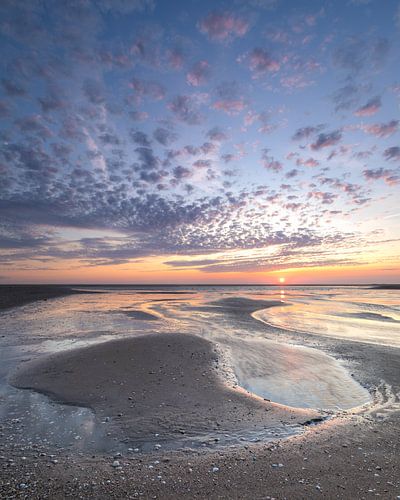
(155, 141)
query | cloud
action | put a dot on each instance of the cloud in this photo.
(223, 26)
(109, 139)
(185, 109)
(72, 127)
(298, 81)
(21, 236)
(27, 157)
(269, 161)
(138, 115)
(370, 108)
(147, 158)
(355, 191)
(147, 88)
(51, 102)
(306, 132)
(12, 88)
(140, 138)
(199, 73)
(34, 125)
(356, 54)
(382, 129)
(217, 134)
(93, 91)
(208, 147)
(390, 177)
(292, 173)
(164, 136)
(392, 153)
(191, 263)
(326, 140)
(230, 107)
(175, 58)
(229, 99)
(346, 97)
(305, 260)
(123, 7)
(202, 164)
(260, 62)
(310, 162)
(181, 172)
(325, 198)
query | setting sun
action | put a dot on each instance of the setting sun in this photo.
(281, 280)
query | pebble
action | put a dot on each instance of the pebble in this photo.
(215, 469)
(116, 463)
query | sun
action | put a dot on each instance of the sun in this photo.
(281, 280)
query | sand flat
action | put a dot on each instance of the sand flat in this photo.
(354, 454)
(165, 384)
(19, 295)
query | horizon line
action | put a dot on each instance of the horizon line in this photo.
(280, 285)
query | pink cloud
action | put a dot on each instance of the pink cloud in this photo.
(278, 36)
(298, 81)
(230, 106)
(223, 26)
(370, 108)
(324, 197)
(250, 118)
(382, 129)
(389, 176)
(199, 73)
(326, 140)
(185, 109)
(269, 162)
(260, 61)
(145, 88)
(310, 162)
(175, 58)
(392, 153)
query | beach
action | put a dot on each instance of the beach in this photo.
(171, 415)
(18, 295)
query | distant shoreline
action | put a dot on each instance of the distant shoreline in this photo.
(20, 295)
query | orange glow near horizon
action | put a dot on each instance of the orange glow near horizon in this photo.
(155, 271)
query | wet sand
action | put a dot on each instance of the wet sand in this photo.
(355, 454)
(158, 389)
(141, 315)
(19, 295)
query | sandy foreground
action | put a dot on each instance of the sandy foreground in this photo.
(156, 393)
(155, 389)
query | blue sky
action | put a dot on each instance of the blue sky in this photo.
(212, 137)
